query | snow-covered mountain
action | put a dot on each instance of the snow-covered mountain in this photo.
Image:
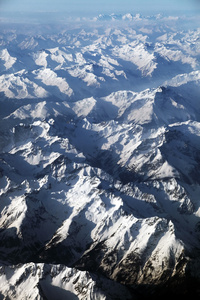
(99, 161)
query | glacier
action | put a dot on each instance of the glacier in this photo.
(99, 159)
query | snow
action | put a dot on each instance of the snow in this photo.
(183, 79)
(96, 57)
(99, 161)
(177, 55)
(9, 61)
(49, 77)
(127, 16)
(40, 59)
(84, 107)
(15, 86)
(51, 281)
(138, 55)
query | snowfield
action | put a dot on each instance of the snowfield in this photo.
(99, 160)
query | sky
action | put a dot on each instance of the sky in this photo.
(85, 6)
(94, 7)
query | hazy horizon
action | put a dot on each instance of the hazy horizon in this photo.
(20, 8)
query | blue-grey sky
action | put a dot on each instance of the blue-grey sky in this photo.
(96, 6)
